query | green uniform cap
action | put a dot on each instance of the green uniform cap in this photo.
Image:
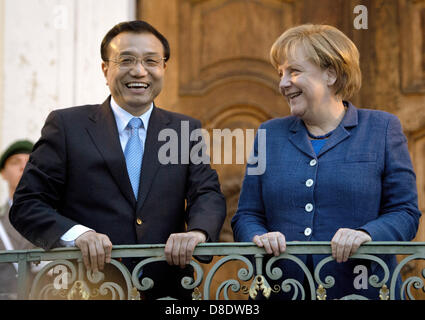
(21, 146)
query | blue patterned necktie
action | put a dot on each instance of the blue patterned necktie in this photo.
(134, 154)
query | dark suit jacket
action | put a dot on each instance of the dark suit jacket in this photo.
(363, 179)
(77, 175)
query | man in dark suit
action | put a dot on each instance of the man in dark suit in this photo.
(95, 178)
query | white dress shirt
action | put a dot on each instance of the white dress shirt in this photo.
(122, 118)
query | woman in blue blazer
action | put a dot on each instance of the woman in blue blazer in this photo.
(333, 172)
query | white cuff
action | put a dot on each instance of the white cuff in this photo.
(68, 238)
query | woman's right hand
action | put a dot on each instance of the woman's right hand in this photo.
(273, 242)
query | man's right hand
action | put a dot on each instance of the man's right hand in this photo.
(96, 249)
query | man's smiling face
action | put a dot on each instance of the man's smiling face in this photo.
(135, 87)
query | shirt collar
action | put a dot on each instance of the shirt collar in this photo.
(122, 117)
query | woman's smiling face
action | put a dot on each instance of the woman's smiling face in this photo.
(304, 84)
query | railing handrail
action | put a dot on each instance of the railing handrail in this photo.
(215, 248)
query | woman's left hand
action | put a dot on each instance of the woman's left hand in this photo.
(345, 243)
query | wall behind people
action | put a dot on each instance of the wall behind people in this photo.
(46, 60)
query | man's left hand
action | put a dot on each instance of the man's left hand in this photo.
(180, 246)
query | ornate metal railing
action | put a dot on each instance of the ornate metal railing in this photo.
(62, 274)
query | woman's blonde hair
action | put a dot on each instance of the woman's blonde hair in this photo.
(325, 46)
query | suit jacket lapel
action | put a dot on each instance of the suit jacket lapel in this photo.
(158, 121)
(104, 132)
(299, 138)
(341, 133)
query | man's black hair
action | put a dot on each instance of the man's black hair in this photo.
(136, 26)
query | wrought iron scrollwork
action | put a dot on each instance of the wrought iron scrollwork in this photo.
(243, 274)
(75, 282)
(291, 284)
